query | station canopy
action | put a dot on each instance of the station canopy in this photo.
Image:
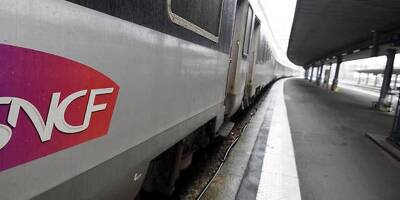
(324, 30)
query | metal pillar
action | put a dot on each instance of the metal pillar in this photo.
(395, 132)
(312, 74)
(366, 82)
(387, 76)
(336, 77)
(376, 80)
(327, 76)
(306, 73)
(359, 78)
(319, 78)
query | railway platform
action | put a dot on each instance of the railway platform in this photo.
(306, 142)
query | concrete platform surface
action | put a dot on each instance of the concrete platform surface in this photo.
(262, 164)
(335, 160)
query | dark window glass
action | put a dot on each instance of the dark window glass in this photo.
(154, 14)
(205, 14)
(248, 31)
(105, 6)
(261, 51)
(264, 51)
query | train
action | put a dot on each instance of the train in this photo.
(101, 99)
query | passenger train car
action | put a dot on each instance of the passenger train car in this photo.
(100, 99)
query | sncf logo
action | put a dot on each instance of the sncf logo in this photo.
(55, 115)
(49, 103)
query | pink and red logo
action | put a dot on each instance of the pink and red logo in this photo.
(49, 103)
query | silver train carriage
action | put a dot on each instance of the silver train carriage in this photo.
(102, 98)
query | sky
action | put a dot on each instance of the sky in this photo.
(280, 18)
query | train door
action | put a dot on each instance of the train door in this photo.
(236, 73)
(252, 56)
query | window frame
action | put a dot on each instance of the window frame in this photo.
(176, 19)
(246, 48)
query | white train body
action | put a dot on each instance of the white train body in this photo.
(168, 88)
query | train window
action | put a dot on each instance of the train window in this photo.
(261, 50)
(200, 16)
(105, 6)
(202, 27)
(248, 31)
